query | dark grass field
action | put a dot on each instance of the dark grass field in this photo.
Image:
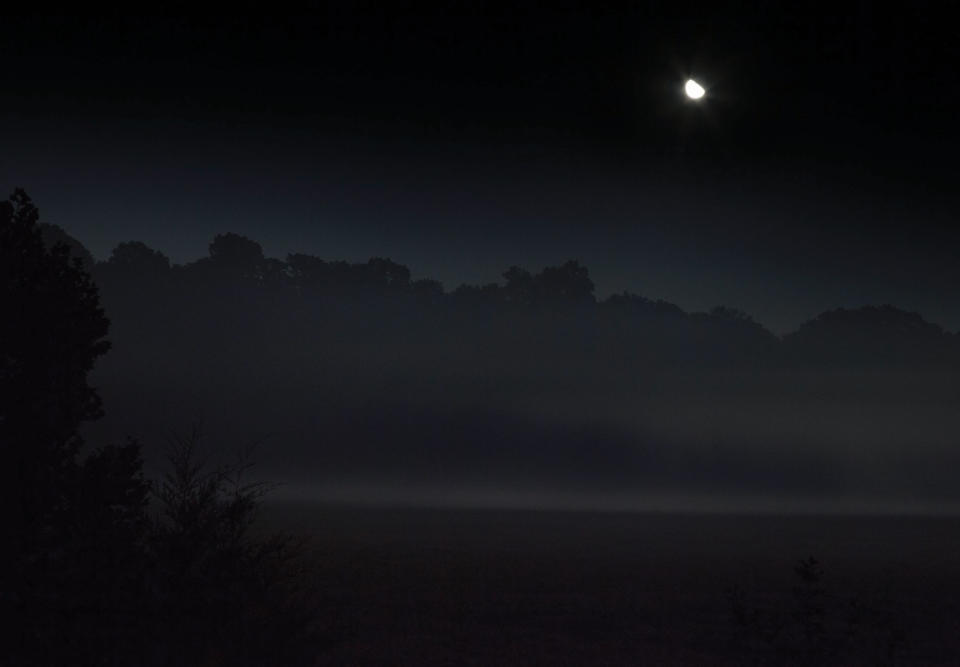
(494, 587)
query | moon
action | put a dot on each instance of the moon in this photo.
(693, 89)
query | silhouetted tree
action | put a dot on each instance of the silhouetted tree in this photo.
(55, 235)
(134, 278)
(52, 331)
(90, 576)
(134, 259)
(637, 306)
(236, 251)
(103, 591)
(275, 274)
(568, 283)
(72, 522)
(428, 290)
(385, 273)
(469, 294)
(519, 287)
(820, 627)
(307, 273)
(234, 258)
(870, 334)
(223, 595)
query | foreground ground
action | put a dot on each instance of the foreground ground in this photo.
(483, 587)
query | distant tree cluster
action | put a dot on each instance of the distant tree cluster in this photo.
(237, 279)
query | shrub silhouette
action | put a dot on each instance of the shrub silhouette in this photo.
(819, 627)
(222, 595)
(809, 601)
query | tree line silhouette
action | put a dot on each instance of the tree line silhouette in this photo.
(551, 305)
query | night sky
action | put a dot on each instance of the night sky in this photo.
(463, 138)
(676, 346)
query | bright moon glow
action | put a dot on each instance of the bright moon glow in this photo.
(693, 89)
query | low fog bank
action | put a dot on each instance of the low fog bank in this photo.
(362, 385)
(373, 496)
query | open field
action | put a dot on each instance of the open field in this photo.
(494, 587)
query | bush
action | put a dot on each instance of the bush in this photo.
(820, 627)
(221, 595)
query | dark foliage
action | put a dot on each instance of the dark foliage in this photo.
(135, 261)
(551, 310)
(220, 594)
(870, 334)
(54, 235)
(51, 333)
(818, 626)
(52, 330)
(91, 575)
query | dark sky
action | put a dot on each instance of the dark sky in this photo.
(465, 137)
